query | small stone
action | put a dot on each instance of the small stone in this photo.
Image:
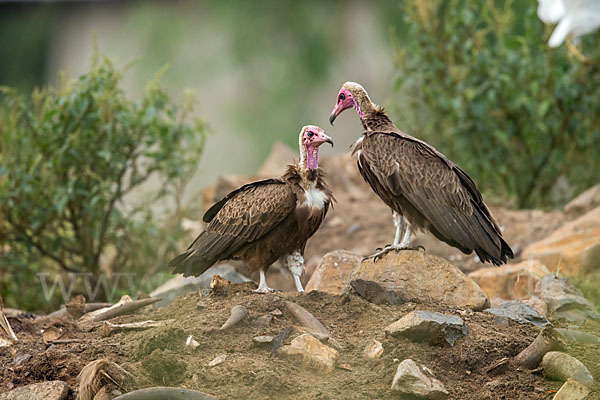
(263, 339)
(276, 312)
(373, 350)
(346, 367)
(191, 343)
(51, 390)
(428, 326)
(52, 333)
(410, 379)
(311, 352)
(217, 360)
(520, 312)
(264, 321)
(21, 358)
(572, 390)
(200, 305)
(561, 366)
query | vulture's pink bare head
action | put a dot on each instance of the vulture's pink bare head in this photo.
(311, 137)
(351, 95)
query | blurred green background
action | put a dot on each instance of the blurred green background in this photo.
(475, 79)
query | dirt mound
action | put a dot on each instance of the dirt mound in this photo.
(251, 370)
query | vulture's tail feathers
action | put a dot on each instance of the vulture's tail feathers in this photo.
(207, 249)
(491, 245)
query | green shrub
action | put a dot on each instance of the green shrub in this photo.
(478, 81)
(70, 159)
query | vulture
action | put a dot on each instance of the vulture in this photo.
(420, 185)
(265, 221)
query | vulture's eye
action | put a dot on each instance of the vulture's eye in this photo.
(342, 97)
(310, 134)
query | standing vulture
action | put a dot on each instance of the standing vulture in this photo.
(266, 220)
(420, 184)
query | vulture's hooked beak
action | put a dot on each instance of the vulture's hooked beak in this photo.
(330, 140)
(332, 117)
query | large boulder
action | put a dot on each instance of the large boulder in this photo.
(510, 281)
(331, 275)
(180, 285)
(277, 161)
(417, 277)
(572, 248)
(583, 203)
(520, 312)
(50, 390)
(564, 301)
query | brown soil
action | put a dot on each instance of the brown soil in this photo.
(159, 357)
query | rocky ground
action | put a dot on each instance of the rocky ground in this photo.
(409, 324)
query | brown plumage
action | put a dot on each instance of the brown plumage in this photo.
(421, 184)
(264, 221)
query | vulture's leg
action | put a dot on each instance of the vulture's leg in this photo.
(398, 245)
(262, 285)
(295, 263)
(406, 238)
(399, 222)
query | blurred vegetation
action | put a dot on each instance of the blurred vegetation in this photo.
(479, 82)
(69, 156)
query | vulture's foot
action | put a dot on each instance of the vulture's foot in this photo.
(392, 247)
(263, 290)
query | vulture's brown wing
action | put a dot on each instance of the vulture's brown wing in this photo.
(402, 168)
(253, 210)
(241, 217)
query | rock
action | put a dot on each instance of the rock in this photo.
(414, 381)
(277, 160)
(414, 276)
(511, 281)
(220, 359)
(573, 247)
(373, 350)
(520, 312)
(537, 304)
(564, 301)
(180, 285)
(583, 203)
(427, 326)
(51, 390)
(311, 352)
(331, 275)
(21, 358)
(575, 336)
(561, 366)
(263, 339)
(572, 390)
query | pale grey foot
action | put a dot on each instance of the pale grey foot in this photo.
(262, 285)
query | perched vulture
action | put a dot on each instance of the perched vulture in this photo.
(266, 220)
(420, 184)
